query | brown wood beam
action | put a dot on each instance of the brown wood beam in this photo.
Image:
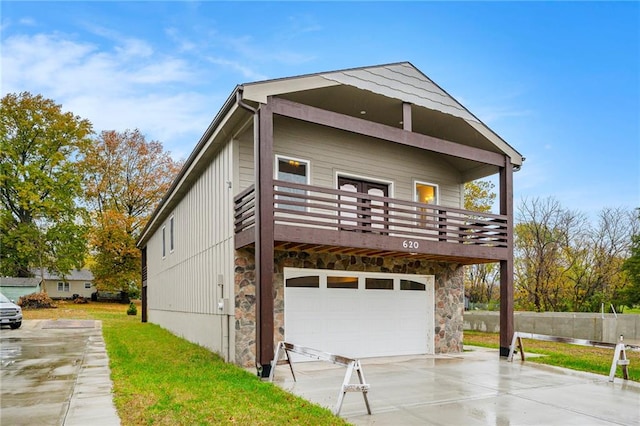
(322, 117)
(144, 284)
(506, 265)
(264, 238)
(352, 241)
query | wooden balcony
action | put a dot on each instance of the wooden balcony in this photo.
(313, 218)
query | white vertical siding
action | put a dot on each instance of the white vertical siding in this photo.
(186, 279)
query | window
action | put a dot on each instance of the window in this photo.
(63, 287)
(379, 283)
(171, 235)
(164, 243)
(293, 171)
(412, 285)
(308, 282)
(87, 285)
(342, 282)
(426, 193)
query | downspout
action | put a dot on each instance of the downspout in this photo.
(256, 141)
(246, 106)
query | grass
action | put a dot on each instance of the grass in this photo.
(582, 358)
(160, 379)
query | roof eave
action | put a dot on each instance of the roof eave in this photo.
(192, 160)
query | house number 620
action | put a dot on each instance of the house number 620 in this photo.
(410, 244)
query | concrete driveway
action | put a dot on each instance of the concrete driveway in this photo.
(473, 388)
(55, 373)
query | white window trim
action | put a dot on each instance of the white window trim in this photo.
(299, 160)
(64, 285)
(172, 231)
(85, 285)
(164, 242)
(417, 182)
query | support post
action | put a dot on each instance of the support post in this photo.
(144, 314)
(263, 150)
(406, 117)
(506, 266)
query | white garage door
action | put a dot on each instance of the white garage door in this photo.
(359, 314)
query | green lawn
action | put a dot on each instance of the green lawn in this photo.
(160, 379)
(582, 358)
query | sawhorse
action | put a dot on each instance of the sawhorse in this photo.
(619, 359)
(284, 348)
(619, 354)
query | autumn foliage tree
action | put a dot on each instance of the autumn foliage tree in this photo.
(126, 177)
(481, 280)
(41, 224)
(631, 266)
(563, 262)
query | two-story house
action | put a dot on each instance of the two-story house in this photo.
(327, 210)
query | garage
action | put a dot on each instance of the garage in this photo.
(359, 314)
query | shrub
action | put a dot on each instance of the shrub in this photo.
(36, 301)
(132, 310)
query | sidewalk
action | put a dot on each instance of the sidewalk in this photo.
(56, 373)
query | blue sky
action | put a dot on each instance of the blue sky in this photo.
(559, 81)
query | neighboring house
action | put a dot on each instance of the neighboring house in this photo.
(78, 281)
(14, 287)
(327, 210)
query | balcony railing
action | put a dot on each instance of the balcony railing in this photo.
(306, 206)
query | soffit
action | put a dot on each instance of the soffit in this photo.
(377, 94)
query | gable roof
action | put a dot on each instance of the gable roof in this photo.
(74, 275)
(401, 82)
(19, 282)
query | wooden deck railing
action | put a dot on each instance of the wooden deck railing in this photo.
(337, 210)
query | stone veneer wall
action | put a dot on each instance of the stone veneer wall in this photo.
(449, 293)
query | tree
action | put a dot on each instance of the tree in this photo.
(596, 258)
(126, 178)
(631, 294)
(564, 262)
(481, 280)
(40, 223)
(542, 237)
(479, 195)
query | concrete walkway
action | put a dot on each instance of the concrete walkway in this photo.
(55, 373)
(473, 388)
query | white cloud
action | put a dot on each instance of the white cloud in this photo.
(246, 47)
(127, 86)
(121, 82)
(490, 115)
(301, 24)
(183, 43)
(246, 71)
(27, 21)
